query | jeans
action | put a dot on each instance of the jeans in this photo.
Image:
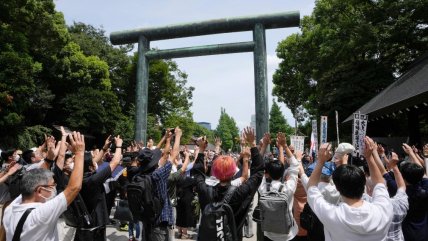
(131, 229)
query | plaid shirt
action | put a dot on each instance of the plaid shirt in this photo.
(160, 177)
(400, 206)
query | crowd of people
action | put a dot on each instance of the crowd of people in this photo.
(63, 191)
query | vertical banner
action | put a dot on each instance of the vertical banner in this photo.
(298, 142)
(323, 129)
(337, 127)
(314, 138)
(356, 133)
(362, 132)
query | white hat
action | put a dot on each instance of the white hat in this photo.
(343, 149)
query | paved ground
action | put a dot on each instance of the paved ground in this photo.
(113, 234)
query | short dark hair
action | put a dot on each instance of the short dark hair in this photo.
(275, 169)
(412, 172)
(87, 162)
(350, 181)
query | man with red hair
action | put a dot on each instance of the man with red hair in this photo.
(223, 169)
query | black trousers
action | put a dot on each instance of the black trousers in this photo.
(98, 234)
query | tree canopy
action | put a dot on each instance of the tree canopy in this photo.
(277, 121)
(73, 76)
(347, 52)
(227, 131)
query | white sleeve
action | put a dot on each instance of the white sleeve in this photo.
(305, 180)
(400, 202)
(49, 212)
(381, 199)
(324, 210)
(293, 170)
(236, 182)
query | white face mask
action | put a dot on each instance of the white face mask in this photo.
(53, 193)
(17, 157)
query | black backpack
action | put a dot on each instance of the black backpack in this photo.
(218, 220)
(77, 215)
(14, 183)
(310, 222)
(144, 204)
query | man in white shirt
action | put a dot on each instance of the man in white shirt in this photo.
(273, 175)
(39, 194)
(353, 219)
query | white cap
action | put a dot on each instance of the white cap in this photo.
(343, 149)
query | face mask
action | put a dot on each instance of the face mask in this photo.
(96, 166)
(17, 157)
(53, 194)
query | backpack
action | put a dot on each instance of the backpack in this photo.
(218, 220)
(144, 204)
(14, 183)
(275, 216)
(77, 215)
(310, 222)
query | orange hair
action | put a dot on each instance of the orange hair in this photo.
(223, 168)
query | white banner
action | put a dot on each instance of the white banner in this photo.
(362, 134)
(356, 133)
(359, 132)
(323, 129)
(314, 138)
(298, 142)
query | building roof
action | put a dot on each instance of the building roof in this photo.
(407, 91)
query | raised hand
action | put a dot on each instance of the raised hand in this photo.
(370, 146)
(407, 149)
(178, 131)
(393, 160)
(281, 139)
(324, 153)
(249, 136)
(380, 150)
(217, 141)
(266, 139)
(77, 143)
(107, 143)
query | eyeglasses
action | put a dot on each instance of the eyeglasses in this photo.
(46, 186)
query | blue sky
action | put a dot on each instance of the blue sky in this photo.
(220, 80)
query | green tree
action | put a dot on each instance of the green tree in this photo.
(277, 121)
(347, 52)
(227, 131)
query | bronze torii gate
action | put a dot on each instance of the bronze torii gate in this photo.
(258, 24)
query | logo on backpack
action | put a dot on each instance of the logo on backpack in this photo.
(218, 220)
(275, 215)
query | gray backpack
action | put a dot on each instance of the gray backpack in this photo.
(274, 213)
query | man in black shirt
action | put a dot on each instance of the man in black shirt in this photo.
(93, 194)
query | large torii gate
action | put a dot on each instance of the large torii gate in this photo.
(258, 24)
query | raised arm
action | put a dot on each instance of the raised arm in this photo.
(99, 157)
(176, 148)
(324, 154)
(245, 156)
(281, 142)
(217, 142)
(265, 143)
(167, 149)
(409, 151)
(397, 174)
(77, 142)
(375, 174)
(117, 154)
(62, 149)
(377, 160)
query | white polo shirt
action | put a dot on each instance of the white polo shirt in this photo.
(40, 223)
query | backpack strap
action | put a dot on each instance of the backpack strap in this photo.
(268, 185)
(18, 230)
(281, 187)
(229, 193)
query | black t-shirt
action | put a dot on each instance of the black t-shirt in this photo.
(61, 179)
(93, 193)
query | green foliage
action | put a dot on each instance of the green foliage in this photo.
(277, 122)
(347, 52)
(32, 136)
(227, 131)
(88, 108)
(202, 131)
(184, 120)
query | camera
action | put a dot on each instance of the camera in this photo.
(112, 144)
(172, 130)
